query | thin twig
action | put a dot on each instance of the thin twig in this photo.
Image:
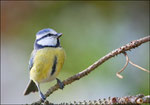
(85, 72)
(127, 61)
(141, 68)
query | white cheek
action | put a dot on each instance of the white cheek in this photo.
(48, 41)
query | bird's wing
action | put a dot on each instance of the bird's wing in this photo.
(31, 59)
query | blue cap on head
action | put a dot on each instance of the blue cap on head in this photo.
(45, 31)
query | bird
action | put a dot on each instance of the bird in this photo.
(46, 61)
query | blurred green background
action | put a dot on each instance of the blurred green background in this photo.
(90, 31)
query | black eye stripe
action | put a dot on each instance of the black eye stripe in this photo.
(46, 36)
(50, 34)
(42, 37)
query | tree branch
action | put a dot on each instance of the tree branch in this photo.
(123, 49)
(126, 100)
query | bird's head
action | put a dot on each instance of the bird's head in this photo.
(48, 37)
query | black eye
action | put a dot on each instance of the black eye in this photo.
(49, 34)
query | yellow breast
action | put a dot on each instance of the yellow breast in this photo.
(44, 63)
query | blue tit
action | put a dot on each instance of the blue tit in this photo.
(46, 60)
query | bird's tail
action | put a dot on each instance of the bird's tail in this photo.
(31, 87)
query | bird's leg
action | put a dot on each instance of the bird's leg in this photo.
(61, 84)
(40, 93)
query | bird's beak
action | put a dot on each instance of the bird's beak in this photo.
(59, 34)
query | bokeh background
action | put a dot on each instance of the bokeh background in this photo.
(90, 31)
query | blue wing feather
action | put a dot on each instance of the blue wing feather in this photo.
(31, 61)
